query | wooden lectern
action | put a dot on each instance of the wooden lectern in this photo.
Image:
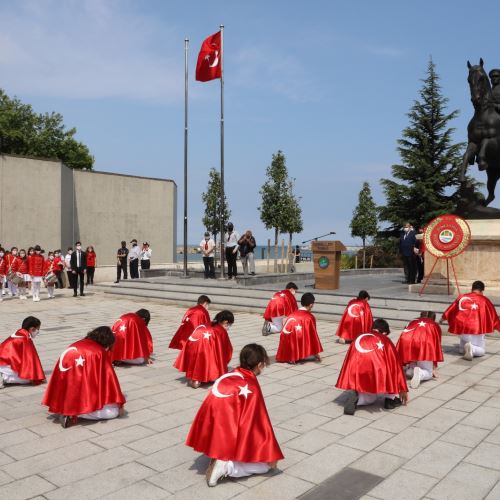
(326, 255)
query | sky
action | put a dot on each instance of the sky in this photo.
(327, 82)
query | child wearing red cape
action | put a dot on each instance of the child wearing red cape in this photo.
(207, 352)
(84, 383)
(133, 342)
(471, 316)
(372, 369)
(419, 348)
(19, 361)
(193, 317)
(299, 337)
(232, 426)
(357, 318)
(281, 305)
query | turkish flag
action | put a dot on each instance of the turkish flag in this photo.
(132, 338)
(83, 381)
(472, 313)
(233, 424)
(19, 352)
(420, 341)
(282, 303)
(206, 353)
(357, 318)
(372, 365)
(194, 316)
(299, 338)
(209, 65)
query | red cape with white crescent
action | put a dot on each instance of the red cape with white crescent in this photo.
(132, 338)
(472, 313)
(233, 424)
(420, 341)
(83, 380)
(282, 303)
(19, 352)
(357, 318)
(299, 338)
(205, 354)
(194, 316)
(372, 365)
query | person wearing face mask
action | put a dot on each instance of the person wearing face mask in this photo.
(12, 262)
(67, 267)
(3, 267)
(207, 246)
(208, 350)
(83, 383)
(91, 263)
(27, 277)
(36, 264)
(146, 253)
(407, 245)
(133, 259)
(23, 270)
(78, 264)
(59, 267)
(49, 271)
(19, 361)
(121, 262)
(231, 239)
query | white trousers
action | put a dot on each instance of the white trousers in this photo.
(243, 469)
(11, 377)
(277, 324)
(50, 291)
(426, 368)
(478, 344)
(136, 361)
(12, 288)
(248, 263)
(368, 398)
(105, 413)
(35, 289)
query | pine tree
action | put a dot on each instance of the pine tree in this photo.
(364, 218)
(424, 182)
(212, 199)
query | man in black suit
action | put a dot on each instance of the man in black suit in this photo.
(407, 243)
(78, 267)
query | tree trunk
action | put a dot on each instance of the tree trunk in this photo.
(364, 253)
(276, 234)
(215, 251)
(290, 258)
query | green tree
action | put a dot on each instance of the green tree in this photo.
(423, 183)
(24, 132)
(212, 200)
(275, 208)
(364, 222)
(293, 223)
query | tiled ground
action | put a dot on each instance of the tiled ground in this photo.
(444, 444)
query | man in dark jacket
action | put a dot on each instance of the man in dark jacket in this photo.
(407, 242)
(78, 267)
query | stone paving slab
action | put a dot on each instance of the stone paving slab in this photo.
(444, 444)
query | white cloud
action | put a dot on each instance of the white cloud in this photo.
(88, 49)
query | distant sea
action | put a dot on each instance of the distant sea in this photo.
(260, 252)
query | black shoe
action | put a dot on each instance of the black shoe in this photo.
(117, 282)
(67, 421)
(82, 295)
(253, 274)
(390, 404)
(351, 403)
(75, 295)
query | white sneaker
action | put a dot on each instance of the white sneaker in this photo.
(468, 354)
(415, 381)
(22, 297)
(216, 471)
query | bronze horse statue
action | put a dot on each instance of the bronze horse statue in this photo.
(483, 130)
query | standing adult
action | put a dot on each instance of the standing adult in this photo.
(145, 256)
(419, 255)
(247, 245)
(67, 266)
(133, 258)
(91, 263)
(78, 268)
(231, 240)
(207, 247)
(121, 262)
(407, 242)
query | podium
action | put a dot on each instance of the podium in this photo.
(326, 256)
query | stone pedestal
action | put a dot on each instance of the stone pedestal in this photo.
(480, 261)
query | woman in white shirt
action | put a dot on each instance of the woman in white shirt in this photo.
(145, 256)
(207, 247)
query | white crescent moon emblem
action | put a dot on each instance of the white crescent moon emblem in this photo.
(286, 323)
(215, 388)
(14, 336)
(216, 60)
(460, 308)
(407, 330)
(349, 311)
(357, 344)
(191, 336)
(61, 366)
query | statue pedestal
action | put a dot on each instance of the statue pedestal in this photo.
(480, 261)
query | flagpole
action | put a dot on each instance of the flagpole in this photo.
(222, 200)
(186, 48)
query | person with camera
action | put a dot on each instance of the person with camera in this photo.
(247, 245)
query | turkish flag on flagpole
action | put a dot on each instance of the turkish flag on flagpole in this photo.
(209, 65)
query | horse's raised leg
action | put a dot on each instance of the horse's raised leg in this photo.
(493, 177)
(468, 159)
(481, 156)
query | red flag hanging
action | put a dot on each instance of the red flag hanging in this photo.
(209, 62)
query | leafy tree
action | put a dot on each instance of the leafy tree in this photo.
(212, 199)
(423, 183)
(364, 218)
(292, 217)
(24, 132)
(277, 210)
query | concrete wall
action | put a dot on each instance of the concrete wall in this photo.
(43, 201)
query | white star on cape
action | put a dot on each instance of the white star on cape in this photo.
(186, 319)
(298, 328)
(282, 294)
(206, 335)
(122, 328)
(79, 361)
(422, 323)
(244, 391)
(474, 306)
(380, 345)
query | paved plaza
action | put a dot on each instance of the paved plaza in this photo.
(444, 444)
